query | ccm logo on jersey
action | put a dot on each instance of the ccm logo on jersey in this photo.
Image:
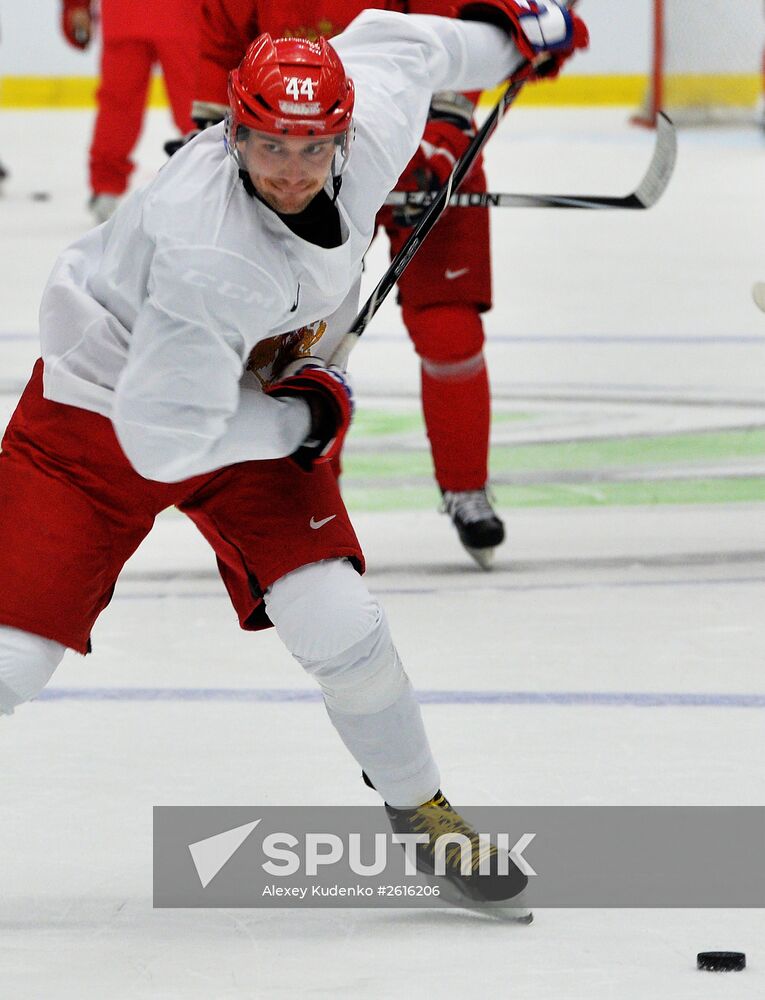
(228, 289)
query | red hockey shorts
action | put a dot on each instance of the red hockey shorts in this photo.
(454, 264)
(73, 510)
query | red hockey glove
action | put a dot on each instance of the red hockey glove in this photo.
(330, 400)
(446, 137)
(544, 31)
(77, 22)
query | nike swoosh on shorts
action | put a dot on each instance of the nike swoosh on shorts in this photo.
(320, 524)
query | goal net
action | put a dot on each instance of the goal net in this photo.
(706, 61)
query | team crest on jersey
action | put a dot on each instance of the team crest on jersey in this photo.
(324, 29)
(270, 356)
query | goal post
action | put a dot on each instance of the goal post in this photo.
(706, 61)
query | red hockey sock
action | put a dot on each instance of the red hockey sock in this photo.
(455, 392)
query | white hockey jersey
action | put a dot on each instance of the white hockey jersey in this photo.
(169, 318)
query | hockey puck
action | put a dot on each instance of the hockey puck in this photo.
(721, 961)
(40, 196)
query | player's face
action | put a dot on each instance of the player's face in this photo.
(287, 171)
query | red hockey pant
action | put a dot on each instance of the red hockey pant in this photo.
(125, 75)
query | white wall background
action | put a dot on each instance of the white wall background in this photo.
(32, 44)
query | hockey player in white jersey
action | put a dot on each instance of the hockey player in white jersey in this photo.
(184, 349)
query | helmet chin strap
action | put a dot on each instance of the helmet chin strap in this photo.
(249, 187)
(341, 156)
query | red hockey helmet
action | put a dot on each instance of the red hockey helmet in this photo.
(290, 86)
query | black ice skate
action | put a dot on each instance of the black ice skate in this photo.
(477, 524)
(493, 892)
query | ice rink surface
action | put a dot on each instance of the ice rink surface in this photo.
(613, 657)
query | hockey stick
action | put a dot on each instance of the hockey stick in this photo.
(430, 217)
(647, 193)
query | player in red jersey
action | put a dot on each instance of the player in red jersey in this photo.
(136, 34)
(448, 284)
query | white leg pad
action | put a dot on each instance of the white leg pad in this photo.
(27, 663)
(321, 609)
(337, 631)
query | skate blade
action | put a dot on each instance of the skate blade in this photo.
(511, 911)
(484, 557)
(758, 294)
(502, 914)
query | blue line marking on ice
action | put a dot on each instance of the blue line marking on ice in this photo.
(512, 338)
(607, 699)
(658, 340)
